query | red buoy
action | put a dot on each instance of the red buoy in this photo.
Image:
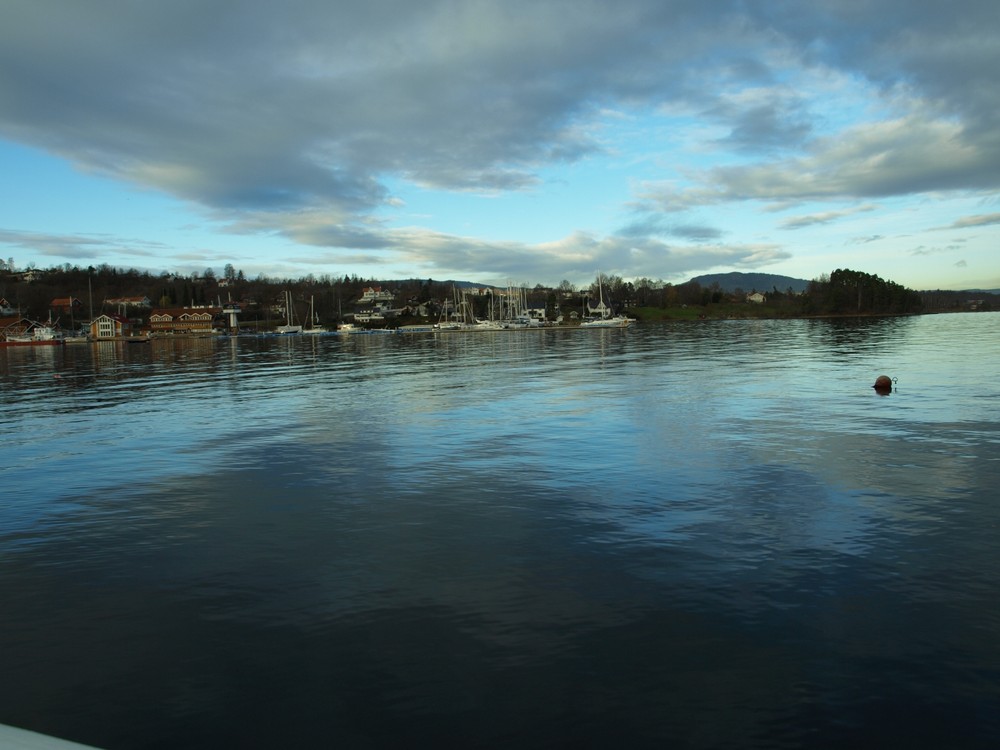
(883, 384)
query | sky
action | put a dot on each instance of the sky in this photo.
(504, 141)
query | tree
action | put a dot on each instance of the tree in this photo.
(551, 306)
(689, 293)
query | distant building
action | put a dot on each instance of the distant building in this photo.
(757, 298)
(15, 326)
(6, 308)
(66, 305)
(600, 309)
(126, 302)
(110, 327)
(375, 294)
(184, 320)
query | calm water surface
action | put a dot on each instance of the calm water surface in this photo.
(710, 535)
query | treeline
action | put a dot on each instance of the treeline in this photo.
(843, 292)
(330, 297)
(853, 292)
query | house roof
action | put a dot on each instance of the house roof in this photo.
(111, 316)
(13, 321)
(176, 312)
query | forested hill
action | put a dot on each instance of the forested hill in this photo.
(751, 282)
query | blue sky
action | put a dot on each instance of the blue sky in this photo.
(526, 142)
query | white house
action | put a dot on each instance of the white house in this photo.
(109, 327)
(375, 294)
(601, 309)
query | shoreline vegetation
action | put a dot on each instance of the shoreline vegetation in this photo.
(71, 297)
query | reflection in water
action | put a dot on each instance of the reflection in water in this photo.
(706, 535)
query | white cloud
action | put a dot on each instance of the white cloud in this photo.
(825, 217)
(975, 221)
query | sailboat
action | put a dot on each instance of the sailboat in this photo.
(606, 320)
(289, 326)
(313, 328)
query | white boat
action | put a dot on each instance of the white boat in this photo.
(606, 320)
(524, 321)
(313, 328)
(616, 321)
(14, 738)
(417, 328)
(488, 325)
(289, 326)
(39, 335)
(350, 328)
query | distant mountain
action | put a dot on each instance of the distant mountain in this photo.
(749, 282)
(446, 282)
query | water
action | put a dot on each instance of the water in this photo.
(704, 535)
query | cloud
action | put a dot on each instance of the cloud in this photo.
(70, 247)
(696, 232)
(654, 225)
(923, 250)
(974, 221)
(945, 54)
(279, 106)
(577, 257)
(762, 119)
(899, 157)
(800, 222)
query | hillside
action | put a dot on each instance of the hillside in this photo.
(749, 282)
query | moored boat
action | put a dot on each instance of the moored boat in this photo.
(38, 335)
(290, 326)
(616, 321)
(315, 328)
(606, 320)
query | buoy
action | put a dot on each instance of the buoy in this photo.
(883, 384)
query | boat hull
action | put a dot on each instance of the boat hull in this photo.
(607, 323)
(58, 342)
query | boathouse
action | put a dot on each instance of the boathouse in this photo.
(110, 327)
